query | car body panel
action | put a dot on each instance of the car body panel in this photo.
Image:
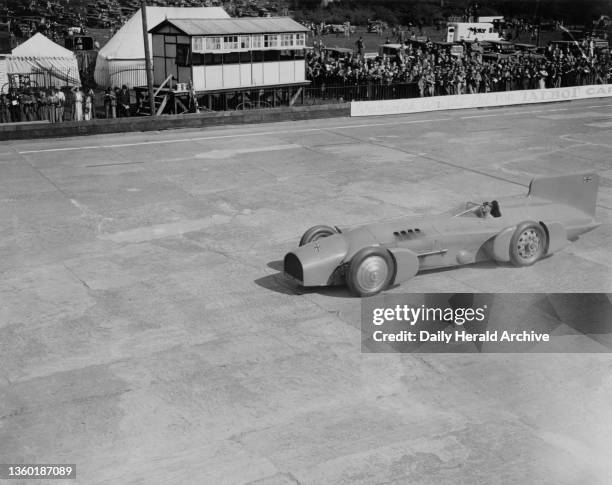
(406, 264)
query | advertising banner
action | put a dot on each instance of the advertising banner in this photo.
(481, 100)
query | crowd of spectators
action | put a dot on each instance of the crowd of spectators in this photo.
(437, 72)
(56, 105)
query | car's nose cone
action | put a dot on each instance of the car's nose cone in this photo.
(314, 263)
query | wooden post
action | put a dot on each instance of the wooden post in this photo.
(145, 35)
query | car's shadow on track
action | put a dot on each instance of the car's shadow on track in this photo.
(281, 283)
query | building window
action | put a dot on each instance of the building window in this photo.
(230, 42)
(256, 41)
(198, 44)
(182, 54)
(286, 40)
(300, 40)
(213, 44)
(245, 42)
(270, 40)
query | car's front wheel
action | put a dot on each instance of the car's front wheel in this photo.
(528, 244)
(370, 271)
(316, 232)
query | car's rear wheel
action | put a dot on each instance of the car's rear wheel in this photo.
(316, 232)
(528, 244)
(370, 271)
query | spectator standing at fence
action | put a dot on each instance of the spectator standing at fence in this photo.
(61, 104)
(56, 107)
(430, 83)
(543, 75)
(53, 102)
(487, 83)
(124, 101)
(69, 107)
(117, 92)
(461, 82)
(21, 106)
(108, 103)
(113, 101)
(474, 82)
(14, 107)
(42, 108)
(41, 101)
(193, 98)
(28, 105)
(360, 47)
(78, 104)
(421, 84)
(523, 75)
(88, 105)
(555, 76)
(92, 99)
(508, 79)
(5, 114)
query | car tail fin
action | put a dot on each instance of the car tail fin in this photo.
(578, 190)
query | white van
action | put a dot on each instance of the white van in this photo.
(470, 31)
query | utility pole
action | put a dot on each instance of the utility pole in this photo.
(145, 35)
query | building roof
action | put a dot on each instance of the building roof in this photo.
(128, 43)
(245, 25)
(40, 46)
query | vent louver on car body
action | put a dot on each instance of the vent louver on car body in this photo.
(408, 233)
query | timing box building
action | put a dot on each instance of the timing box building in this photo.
(236, 54)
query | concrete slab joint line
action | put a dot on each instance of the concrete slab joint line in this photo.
(83, 282)
(287, 475)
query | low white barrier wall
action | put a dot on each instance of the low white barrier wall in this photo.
(481, 100)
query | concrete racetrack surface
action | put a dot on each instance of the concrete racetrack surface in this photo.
(147, 335)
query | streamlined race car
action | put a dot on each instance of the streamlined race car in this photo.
(519, 230)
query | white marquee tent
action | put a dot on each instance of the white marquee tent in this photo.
(3, 73)
(47, 63)
(121, 60)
